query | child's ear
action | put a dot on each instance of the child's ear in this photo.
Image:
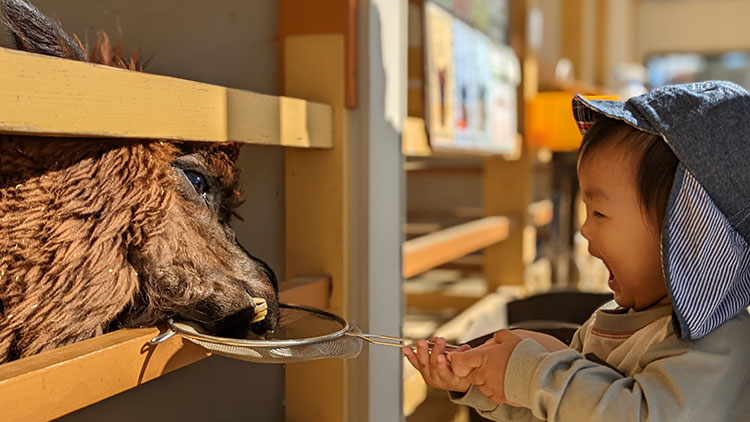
(36, 33)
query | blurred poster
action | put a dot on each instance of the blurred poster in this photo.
(498, 15)
(462, 9)
(439, 69)
(505, 75)
(464, 67)
(472, 79)
(447, 4)
(480, 15)
(484, 88)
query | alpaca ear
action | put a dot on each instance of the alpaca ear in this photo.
(36, 33)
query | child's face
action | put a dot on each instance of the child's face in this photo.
(620, 232)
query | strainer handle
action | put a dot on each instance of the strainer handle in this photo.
(394, 341)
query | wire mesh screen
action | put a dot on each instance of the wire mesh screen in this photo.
(303, 334)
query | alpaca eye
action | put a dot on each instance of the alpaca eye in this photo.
(199, 182)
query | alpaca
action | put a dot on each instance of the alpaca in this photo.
(101, 234)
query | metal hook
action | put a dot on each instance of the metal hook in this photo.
(161, 338)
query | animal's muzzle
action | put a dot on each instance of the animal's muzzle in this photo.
(253, 318)
(238, 324)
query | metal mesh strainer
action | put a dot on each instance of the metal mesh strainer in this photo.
(303, 334)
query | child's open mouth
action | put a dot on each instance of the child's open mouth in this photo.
(612, 282)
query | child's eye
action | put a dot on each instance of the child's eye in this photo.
(597, 214)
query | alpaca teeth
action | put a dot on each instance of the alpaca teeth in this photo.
(261, 309)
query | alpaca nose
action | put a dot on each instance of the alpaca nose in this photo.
(238, 324)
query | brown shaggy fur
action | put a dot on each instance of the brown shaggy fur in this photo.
(100, 234)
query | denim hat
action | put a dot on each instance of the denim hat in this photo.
(706, 229)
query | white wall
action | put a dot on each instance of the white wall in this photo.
(377, 206)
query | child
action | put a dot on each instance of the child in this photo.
(666, 184)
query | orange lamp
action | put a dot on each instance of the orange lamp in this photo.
(550, 123)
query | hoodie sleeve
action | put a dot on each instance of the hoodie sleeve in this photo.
(504, 412)
(492, 411)
(701, 380)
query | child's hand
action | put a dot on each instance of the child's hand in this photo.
(485, 366)
(434, 366)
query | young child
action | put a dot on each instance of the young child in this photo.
(666, 184)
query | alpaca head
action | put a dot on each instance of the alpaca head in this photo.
(189, 263)
(98, 234)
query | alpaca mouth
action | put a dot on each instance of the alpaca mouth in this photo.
(237, 325)
(257, 318)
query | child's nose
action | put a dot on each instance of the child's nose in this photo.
(586, 230)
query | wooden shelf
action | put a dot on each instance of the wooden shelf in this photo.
(540, 213)
(41, 95)
(441, 301)
(457, 213)
(55, 383)
(429, 251)
(415, 143)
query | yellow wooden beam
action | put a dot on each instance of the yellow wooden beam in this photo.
(52, 384)
(317, 218)
(41, 95)
(440, 301)
(429, 251)
(414, 141)
(312, 291)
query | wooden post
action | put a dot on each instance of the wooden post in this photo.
(507, 191)
(316, 63)
(508, 183)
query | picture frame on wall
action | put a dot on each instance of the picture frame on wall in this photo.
(471, 79)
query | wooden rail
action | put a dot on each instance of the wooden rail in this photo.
(55, 383)
(42, 95)
(61, 381)
(429, 251)
(540, 213)
(415, 143)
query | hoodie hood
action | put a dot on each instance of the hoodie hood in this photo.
(706, 228)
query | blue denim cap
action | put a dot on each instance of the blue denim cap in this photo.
(706, 229)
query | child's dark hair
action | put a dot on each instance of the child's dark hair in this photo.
(655, 161)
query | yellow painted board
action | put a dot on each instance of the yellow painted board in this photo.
(60, 381)
(54, 383)
(438, 301)
(312, 291)
(41, 95)
(317, 218)
(414, 140)
(429, 251)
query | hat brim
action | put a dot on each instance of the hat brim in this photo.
(587, 112)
